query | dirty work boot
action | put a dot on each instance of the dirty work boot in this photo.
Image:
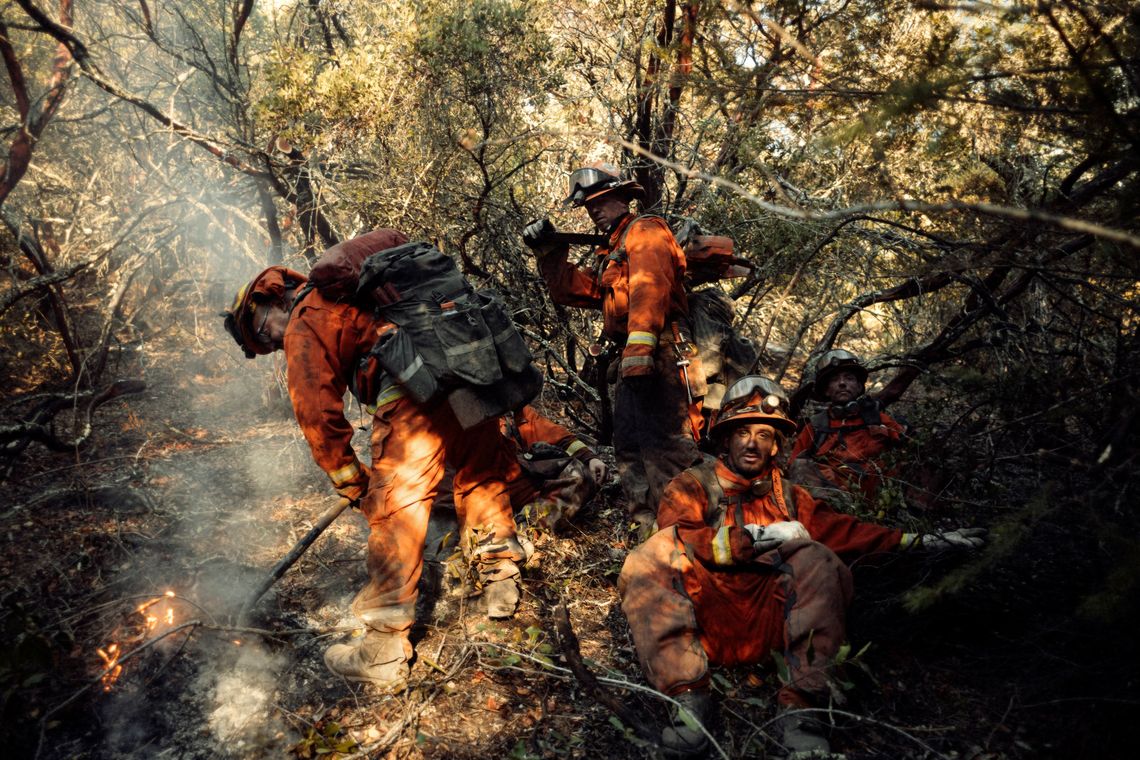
(801, 735)
(502, 598)
(680, 739)
(380, 659)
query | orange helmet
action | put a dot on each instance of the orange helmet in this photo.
(753, 398)
(268, 286)
(596, 180)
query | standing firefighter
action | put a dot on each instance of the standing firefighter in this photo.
(844, 447)
(324, 340)
(746, 563)
(637, 280)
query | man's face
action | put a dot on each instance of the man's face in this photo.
(844, 386)
(751, 447)
(269, 323)
(606, 210)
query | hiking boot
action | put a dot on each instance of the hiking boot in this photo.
(682, 739)
(380, 659)
(801, 735)
(502, 598)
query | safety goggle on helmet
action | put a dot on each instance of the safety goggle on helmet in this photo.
(589, 182)
(753, 398)
(831, 362)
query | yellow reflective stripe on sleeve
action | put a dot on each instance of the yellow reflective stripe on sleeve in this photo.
(722, 550)
(639, 338)
(575, 447)
(388, 395)
(346, 474)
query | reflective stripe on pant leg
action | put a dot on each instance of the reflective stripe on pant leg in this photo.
(818, 589)
(407, 458)
(661, 617)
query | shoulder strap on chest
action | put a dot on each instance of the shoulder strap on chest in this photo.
(704, 473)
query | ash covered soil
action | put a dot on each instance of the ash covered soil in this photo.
(201, 484)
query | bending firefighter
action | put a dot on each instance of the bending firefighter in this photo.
(746, 563)
(323, 341)
(637, 280)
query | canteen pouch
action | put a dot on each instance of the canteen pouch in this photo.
(467, 344)
(397, 355)
(514, 355)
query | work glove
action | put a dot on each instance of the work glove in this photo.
(765, 538)
(536, 236)
(963, 538)
(597, 470)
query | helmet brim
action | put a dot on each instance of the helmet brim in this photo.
(630, 187)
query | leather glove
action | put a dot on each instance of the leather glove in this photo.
(597, 470)
(963, 538)
(765, 538)
(536, 236)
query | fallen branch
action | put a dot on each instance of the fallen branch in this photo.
(16, 438)
(568, 643)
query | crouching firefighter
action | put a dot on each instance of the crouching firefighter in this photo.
(326, 341)
(746, 563)
(637, 280)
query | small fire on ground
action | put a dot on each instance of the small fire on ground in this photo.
(149, 619)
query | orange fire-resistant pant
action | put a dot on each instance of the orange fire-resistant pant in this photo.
(793, 600)
(412, 444)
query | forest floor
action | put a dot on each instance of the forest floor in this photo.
(194, 490)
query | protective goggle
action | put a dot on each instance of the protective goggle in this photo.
(772, 396)
(584, 180)
(836, 358)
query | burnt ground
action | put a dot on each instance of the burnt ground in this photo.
(199, 485)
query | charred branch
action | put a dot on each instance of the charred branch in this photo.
(38, 427)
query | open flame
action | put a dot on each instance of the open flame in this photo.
(152, 614)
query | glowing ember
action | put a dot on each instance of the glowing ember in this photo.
(111, 664)
(137, 633)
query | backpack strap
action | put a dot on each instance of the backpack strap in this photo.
(704, 472)
(869, 416)
(787, 496)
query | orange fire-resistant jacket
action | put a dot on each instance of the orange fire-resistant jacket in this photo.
(323, 341)
(728, 599)
(531, 428)
(638, 292)
(849, 452)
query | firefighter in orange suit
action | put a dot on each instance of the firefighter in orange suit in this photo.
(844, 448)
(411, 444)
(745, 563)
(637, 280)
